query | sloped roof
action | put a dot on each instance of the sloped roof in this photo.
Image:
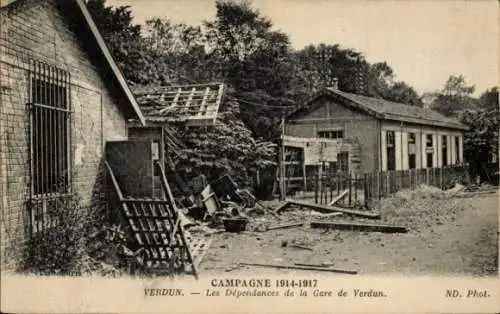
(388, 110)
(193, 104)
(79, 9)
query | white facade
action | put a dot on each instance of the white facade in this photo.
(414, 141)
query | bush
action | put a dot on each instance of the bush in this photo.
(79, 243)
(228, 147)
(58, 249)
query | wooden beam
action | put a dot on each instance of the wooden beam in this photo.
(359, 226)
(281, 207)
(300, 224)
(329, 209)
(332, 270)
(301, 247)
(114, 181)
(338, 198)
(204, 107)
(311, 265)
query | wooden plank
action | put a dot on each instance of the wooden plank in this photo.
(329, 209)
(203, 107)
(173, 207)
(114, 181)
(293, 225)
(329, 215)
(177, 225)
(359, 226)
(209, 199)
(332, 270)
(301, 247)
(311, 265)
(145, 201)
(338, 198)
(281, 207)
(257, 202)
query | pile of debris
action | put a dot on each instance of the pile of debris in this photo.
(423, 207)
(222, 204)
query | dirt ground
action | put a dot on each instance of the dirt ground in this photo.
(448, 235)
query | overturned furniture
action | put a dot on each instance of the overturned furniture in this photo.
(155, 221)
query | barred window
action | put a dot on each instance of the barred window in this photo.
(49, 127)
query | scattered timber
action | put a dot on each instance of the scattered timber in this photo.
(326, 215)
(301, 247)
(282, 207)
(300, 224)
(359, 226)
(311, 265)
(332, 270)
(338, 198)
(330, 209)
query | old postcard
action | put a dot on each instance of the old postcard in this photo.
(281, 156)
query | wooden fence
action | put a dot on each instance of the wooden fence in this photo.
(362, 189)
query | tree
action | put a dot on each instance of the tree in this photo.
(241, 155)
(325, 62)
(489, 99)
(403, 93)
(238, 30)
(454, 97)
(354, 74)
(138, 63)
(255, 61)
(481, 140)
(382, 83)
(182, 49)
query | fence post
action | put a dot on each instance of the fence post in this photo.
(388, 183)
(325, 191)
(378, 184)
(427, 174)
(365, 189)
(370, 186)
(441, 178)
(331, 188)
(355, 187)
(337, 183)
(304, 178)
(350, 188)
(410, 185)
(316, 187)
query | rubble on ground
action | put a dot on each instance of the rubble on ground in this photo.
(420, 208)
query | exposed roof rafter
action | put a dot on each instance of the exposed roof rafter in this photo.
(195, 104)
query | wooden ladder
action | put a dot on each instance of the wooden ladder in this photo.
(156, 227)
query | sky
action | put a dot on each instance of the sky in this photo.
(424, 41)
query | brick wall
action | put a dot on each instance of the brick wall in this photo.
(35, 29)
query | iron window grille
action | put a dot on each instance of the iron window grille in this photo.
(49, 143)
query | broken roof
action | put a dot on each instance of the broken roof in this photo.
(196, 105)
(78, 9)
(387, 110)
